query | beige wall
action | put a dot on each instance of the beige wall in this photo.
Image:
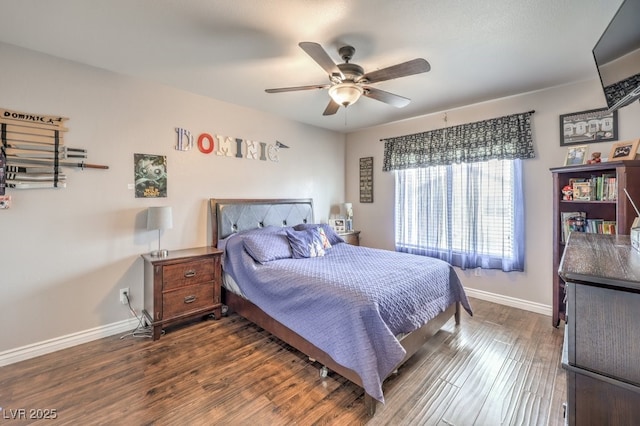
(532, 288)
(64, 254)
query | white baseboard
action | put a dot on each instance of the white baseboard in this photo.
(538, 308)
(40, 348)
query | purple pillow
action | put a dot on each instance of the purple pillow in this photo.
(267, 246)
(305, 243)
(328, 230)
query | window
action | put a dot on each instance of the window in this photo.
(470, 215)
(459, 191)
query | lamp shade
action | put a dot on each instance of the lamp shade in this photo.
(159, 218)
(345, 94)
(348, 208)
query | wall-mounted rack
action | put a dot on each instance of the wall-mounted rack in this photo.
(32, 150)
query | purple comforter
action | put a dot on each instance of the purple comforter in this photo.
(352, 302)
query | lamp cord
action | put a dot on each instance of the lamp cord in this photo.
(142, 329)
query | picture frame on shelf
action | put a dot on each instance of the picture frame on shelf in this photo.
(576, 155)
(624, 150)
(338, 225)
(582, 191)
(595, 125)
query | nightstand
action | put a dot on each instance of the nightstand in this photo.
(351, 237)
(183, 285)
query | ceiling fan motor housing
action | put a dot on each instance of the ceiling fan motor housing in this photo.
(351, 72)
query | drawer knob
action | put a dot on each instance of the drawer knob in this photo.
(190, 273)
(190, 299)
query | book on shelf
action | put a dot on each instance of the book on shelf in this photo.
(601, 226)
(611, 192)
(608, 227)
(595, 188)
(578, 222)
(595, 226)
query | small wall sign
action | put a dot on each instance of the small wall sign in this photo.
(366, 180)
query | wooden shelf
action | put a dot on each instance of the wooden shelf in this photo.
(589, 202)
(627, 175)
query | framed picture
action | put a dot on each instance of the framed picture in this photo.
(595, 125)
(582, 191)
(338, 225)
(366, 180)
(624, 150)
(576, 155)
(150, 173)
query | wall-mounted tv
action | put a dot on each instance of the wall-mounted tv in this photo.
(617, 56)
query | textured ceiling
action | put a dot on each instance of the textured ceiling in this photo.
(233, 50)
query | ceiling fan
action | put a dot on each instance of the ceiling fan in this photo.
(349, 81)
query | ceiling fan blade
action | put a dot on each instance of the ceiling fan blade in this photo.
(415, 66)
(332, 108)
(321, 56)
(386, 97)
(293, 89)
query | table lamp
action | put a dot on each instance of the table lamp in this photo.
(348, 208)
(159, 218)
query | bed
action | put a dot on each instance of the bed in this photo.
(380, 306)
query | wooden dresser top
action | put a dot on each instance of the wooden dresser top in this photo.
(601, 259)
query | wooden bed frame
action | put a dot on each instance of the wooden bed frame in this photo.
(411, 342)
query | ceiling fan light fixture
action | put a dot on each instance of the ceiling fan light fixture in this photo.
(345, 94)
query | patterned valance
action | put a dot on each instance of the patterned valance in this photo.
(617, 91)
(507, 137)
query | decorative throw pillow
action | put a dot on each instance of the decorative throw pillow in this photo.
(324, 239)
(306, 243)
(328, 230)
(265, 247)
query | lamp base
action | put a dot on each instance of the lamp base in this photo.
(160, 253)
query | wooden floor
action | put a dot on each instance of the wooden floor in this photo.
(500, 367)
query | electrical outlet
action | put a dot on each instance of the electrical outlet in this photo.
(123, 298)
(5, 201)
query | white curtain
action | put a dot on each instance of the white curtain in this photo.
(470, 215)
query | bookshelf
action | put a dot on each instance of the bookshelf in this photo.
(616, 209)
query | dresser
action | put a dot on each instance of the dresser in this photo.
(601, 352)
(181, 286)
(351, 237)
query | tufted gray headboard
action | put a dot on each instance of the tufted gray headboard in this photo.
(234, 215)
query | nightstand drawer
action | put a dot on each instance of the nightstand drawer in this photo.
(183, 285)
(187, 299)
(187, 273)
